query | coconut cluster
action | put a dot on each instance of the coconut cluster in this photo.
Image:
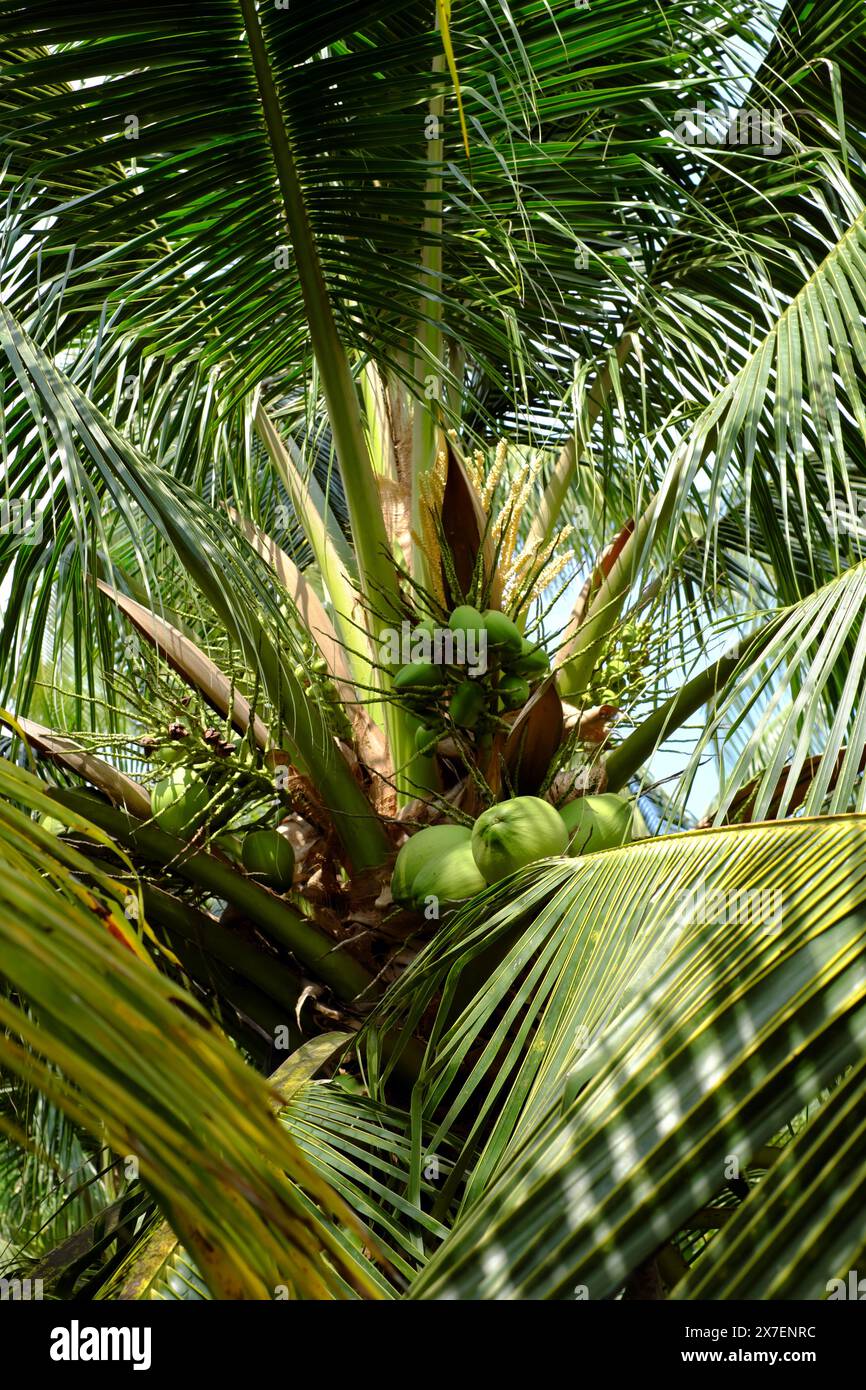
(450, 863)
(314, 676)
(619, 676)
(447, 698)
(181, 802)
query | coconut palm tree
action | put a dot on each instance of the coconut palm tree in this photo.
(321, 329)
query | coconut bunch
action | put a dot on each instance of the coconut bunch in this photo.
(444, 865)
(454, 700)
(475, 581)
(491, 731)
(507, 722)
(619, 677)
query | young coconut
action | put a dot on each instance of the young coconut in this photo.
(513, 691)
(169, 753)
(502, 633)
(436, 862)
(230, 844)
(449, 879)
(466, 619)
(466, 705)
(515, 833)
(597, 822)
(426, 740)
(268, 855)
(179, 802)
(533, 661)
(418, 675)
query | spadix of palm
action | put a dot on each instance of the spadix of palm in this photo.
(153, 1079)
(757, 1006)
(794, 712)
(87, 449)
(800, 1232)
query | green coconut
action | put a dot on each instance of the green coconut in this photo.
(466, 619)
(169, 753)
(230, 844)
(532, 662)
(451, 878)
(269, 856)
(515, 833)
(426, 740)
(418, 674)
(513, 691)
(466, 705)
(503, 633)
(419, 849)
(437, 862)
(597, 822)
(179, 802)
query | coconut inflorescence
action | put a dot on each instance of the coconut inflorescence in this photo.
(469, 700)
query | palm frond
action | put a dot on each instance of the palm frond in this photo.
(751, 1005)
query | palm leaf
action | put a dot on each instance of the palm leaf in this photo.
(740, 1023)
(229, 584)
(800, 1229)
(157, 1080)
